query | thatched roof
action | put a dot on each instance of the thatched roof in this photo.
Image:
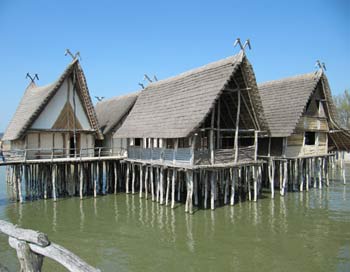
(285, 101)
(36, 98)
(176, 107)
(110, 112)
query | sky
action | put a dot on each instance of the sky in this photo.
(120, 41)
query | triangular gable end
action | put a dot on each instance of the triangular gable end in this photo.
(60, 107)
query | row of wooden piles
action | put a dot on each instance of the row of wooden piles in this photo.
(196, 188)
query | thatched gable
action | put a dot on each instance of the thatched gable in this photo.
(285, 101)
(176, 107)
(36, 98)
(111, 111)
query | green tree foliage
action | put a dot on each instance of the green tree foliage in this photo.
(342, 103)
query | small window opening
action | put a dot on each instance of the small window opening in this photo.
(310, 138)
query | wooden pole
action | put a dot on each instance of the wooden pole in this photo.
(19, 184)
(301, 176)
(195, 188)
(167, 187)
(127, 178)
(115, 178)
(54, 182)
(133, 178)
(227, 181)
(152, 183)
(237, 124)
(81, 181)
(255, 183)
(173, 189)
(206, 177)
(212, 189)
(233, 175)
(161, 185)
(141, 180)
(285, 177)
(319, 170)
(211, 137)
(271, 170)
(146, 182)
(307, 173)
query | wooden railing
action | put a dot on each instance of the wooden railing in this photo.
(33, 246)
(59, 153)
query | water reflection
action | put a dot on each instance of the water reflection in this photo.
(190, 241)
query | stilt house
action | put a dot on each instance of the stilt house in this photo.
(57, 120)
(207, 117)
(302, 118)
(111, 114)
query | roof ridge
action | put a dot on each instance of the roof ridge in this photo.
(207, 66)
(315, 75)
(119, 97)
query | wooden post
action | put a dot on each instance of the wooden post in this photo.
(218, 126)
(175, 150)
(255, 184)
(173, 189)
(195, 188)
(54, 182)
(152, 183)
(133, 178)
(29, 261)
(161, 185)
(211, 137)
(146, 182)
(233, 176)
(255, 145)
(344, 177)
(212, 189)
(141, 179)
(115, 178)
(96, 178)
(237, 124)
(179, 187)
(301, 176)
(319, 170)
(206, 177)
(248, 169)
(314, 164)
(271, 170)
(295, 180)
(285, 177)
(307, 173)
(189, 202)
(19, 184)
(167, 187)
(81, 181)
(157, 184)
(327, 171)
(227, 181)
(127, 178)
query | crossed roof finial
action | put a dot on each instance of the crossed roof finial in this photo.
(68, 52)
(321, 65)
(242, 46)
(32, 78)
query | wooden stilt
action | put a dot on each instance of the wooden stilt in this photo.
(227, 184)
(127, 178)
(327, 171)
(19, 184)
(301, 176)
(319, 170)
(157, 184)
(173, 189)
(133, 179)
(152, 183)
(271, 170)
(233, 175)
(81, 181)
(179, 187)
(255, 183)
(54, 182)
(212, 189)
(307, 173)
(248, 169)
(206, 177)
(285, 177)
(344, 176)
(167, 187)
(115, 178)
(161, 186)
(97, 174)
(146, 182)
(141, 179)
(195, 188)
(314, 165)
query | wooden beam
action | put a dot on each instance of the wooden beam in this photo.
(211, 136)
(237, 124)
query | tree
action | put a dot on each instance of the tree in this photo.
(342, 103)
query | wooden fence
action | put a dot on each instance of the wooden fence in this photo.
(32, 246)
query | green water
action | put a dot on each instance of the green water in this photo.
(300, 232)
